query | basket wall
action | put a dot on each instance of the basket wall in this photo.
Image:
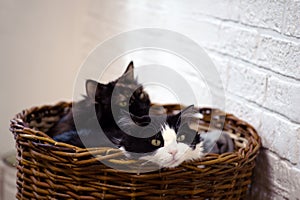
(52, 170)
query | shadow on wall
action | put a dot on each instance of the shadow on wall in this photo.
(262, 178)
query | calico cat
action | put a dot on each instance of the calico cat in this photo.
(100, 100)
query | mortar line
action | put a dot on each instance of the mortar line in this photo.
(279, 156)
(254, 64)
(263, 107)
(263, 30)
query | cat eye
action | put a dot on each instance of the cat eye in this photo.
(123, 103)
(155, 142)
(181, 138)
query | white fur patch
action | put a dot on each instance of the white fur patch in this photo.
(169, 135)
(173, 153)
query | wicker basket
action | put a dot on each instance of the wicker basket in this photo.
(52, 170)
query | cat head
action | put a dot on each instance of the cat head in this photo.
(172, 141)
(127, 94)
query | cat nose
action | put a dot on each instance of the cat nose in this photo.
(173, 152)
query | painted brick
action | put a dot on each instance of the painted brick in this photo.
(247, 82)
(280, 136)
(263, 176)
(206, 34)
(279, 55)
(283, 97)
(193, 8)
(262, 13)
(238, 42)
(167, 14)
(244, 111)
(294, 184)
(274, 178)
(221, 64)
(292, 18)
(298, 139)
(285, 177)
(282, 176)
(227, 10)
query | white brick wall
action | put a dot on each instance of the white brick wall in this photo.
(262, 84)
(262, 13)
(279, 55)
(292, 16)
(282, 182)
(247, 82)
(283, 96)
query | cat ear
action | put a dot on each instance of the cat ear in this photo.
(186, 115)
(189, 111)
(129, 74)
(93, 89)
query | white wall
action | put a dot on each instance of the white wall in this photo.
(40, 52)
(254, 44)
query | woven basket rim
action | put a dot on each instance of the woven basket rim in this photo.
(19, 126)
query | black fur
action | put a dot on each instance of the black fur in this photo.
(101, 101)
(136, 142)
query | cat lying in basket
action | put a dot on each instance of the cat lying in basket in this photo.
(165, 140)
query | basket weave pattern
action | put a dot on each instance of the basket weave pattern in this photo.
(52, 170)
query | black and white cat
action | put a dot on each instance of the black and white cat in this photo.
(167, 141)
